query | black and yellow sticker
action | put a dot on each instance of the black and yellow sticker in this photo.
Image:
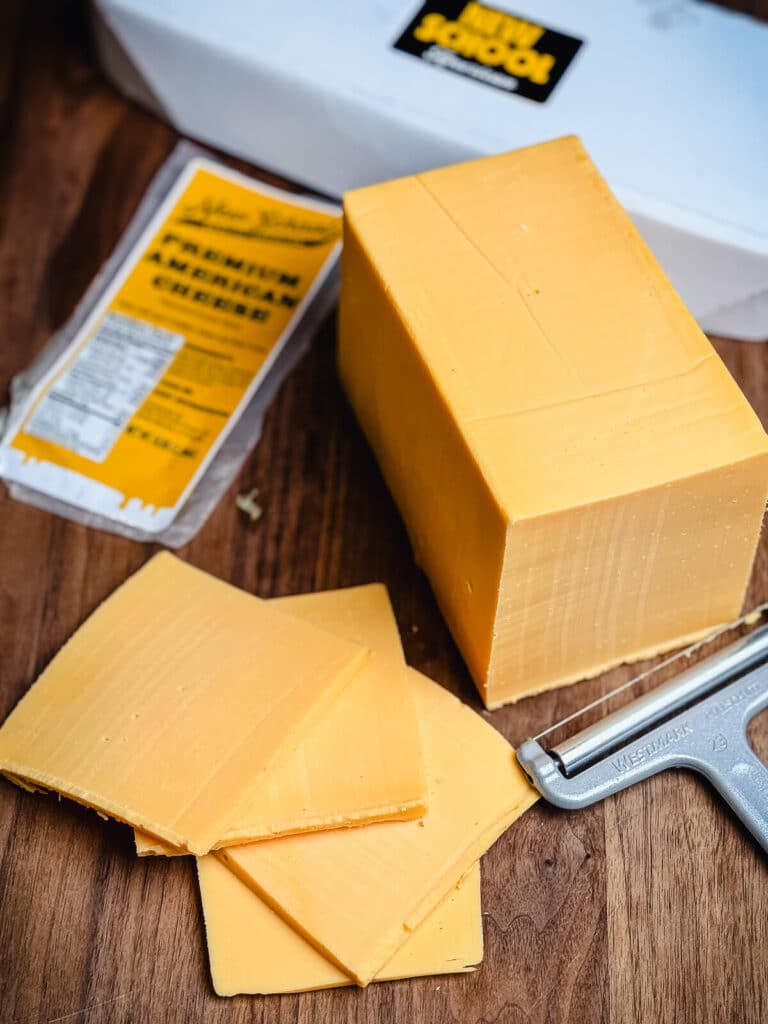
(491, 46)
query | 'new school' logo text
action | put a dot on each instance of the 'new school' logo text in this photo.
(494, 47)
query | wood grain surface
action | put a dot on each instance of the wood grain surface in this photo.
(651, 907)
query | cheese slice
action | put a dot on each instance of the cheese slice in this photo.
(362, 760)
(581, 478)
(357, 894)
(149, 846)
(251, 949)
(171, 699)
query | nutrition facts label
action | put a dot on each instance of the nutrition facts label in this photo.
(87, 407)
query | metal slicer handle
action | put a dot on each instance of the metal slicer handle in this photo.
(743, 783)
(709, 737)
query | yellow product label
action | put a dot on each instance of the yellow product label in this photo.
(139, 403)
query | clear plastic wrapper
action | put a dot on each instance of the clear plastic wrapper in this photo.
(140, 411)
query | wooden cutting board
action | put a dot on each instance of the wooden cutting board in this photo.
(651, 907)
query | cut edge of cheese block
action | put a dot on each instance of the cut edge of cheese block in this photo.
(319, 882)
(508, 699)
(61, 686)
(253, 951)
(527, 657)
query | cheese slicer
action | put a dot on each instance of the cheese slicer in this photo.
(697, 720)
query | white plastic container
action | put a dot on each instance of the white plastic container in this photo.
(669, 97)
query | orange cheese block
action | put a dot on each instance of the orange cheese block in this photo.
(357, 894)
(173, 697)
(251, 949)
(362, 759)
(581, 478)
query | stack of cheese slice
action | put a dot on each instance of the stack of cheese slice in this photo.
(254, 734)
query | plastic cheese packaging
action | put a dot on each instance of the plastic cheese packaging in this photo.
(357, 894)
(172, 700)
(251, 949)
(362, 760)
(140, 411)
(581, 478)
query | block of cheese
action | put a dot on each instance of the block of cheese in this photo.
(251, 949)
(361, 761)
(581, 478)
(172, 698)
(357, 894)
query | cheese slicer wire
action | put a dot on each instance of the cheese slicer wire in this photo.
(697, 720)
